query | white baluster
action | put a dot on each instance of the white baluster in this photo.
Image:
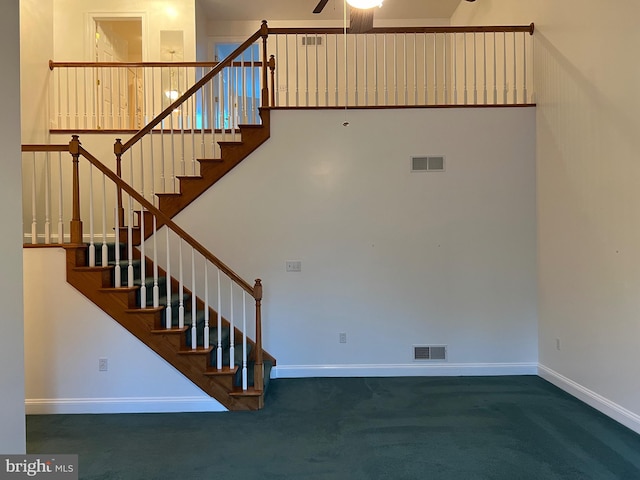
(455, 68)
(466, 94)
(104, 257)
(415, 69)
(156, 287)
(406, 69)
(143, 262)
(47, 200)
(219, 351)
(475, 72)
(385, 70)
(375, 68)
(206, 304)
(85, 87)
(336, 70)
(92, 247)
(244, 341)
(425, 71)
(286, 54)
(232, 335)
(317, 74)
(60, 201)
(484, 69)
(525, 95)
(168, 312)
(366, 68)
(117, 271)
(495, 71)
(34, 213)
(445, 93)
(152, 162)
(395, 68)
(130, 279)
(172, 156)
(435, 69)
(355, 70)
(194, 310)
(504, 63)
(297, 74)
(515, 71)
(181, 287)
(326, 71)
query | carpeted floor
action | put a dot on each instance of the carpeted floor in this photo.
(506, 428)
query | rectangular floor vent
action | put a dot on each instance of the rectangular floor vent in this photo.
(429, 352)
(427, 164)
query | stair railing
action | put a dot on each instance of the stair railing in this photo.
(403, 66)
(226, 97)
(203, 284)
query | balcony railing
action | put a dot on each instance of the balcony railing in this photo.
(386, 67)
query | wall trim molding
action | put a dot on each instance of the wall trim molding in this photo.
(591, 398)
(49, 406)
(405, 370)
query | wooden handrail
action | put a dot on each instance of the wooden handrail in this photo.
(53, 65)
(45, 148)
(197, 86)
(74, 147)
(449, 29)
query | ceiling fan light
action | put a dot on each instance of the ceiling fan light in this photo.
(365, 4)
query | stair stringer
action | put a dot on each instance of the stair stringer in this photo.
(95, 283)
(212, 170)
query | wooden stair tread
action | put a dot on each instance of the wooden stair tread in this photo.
(170, 331)
(145, 310)
(97, 268)
(249, 392)
(212, 372)
(197, 351)
(210, 160)
(119, 289)
(189, 177)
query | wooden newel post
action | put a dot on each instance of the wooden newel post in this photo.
(272, 67)
(76, 223)
(117, 149)
(258, 372)
(264, 32)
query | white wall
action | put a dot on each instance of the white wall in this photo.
(389, 257)
(72, 17)
(63, 346)
(588, 177)
(36, 51)
(12, 433)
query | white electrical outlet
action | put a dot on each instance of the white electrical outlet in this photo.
(103, 364)
(343, 337)
(294, 266)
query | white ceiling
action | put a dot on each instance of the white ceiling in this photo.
(302, 9)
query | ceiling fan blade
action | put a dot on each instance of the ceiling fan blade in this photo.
(361, 21)
(320, 6)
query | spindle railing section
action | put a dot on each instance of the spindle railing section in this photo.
(417, 66)
(110, 216)
(188, 109)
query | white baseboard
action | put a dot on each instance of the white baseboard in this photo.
(591, 398)
(48, 406)
(405, 370)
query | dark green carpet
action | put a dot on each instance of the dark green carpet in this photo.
(375, 428)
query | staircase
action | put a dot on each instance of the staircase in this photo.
(173, 344)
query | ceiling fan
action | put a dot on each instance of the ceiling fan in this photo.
(360, 17)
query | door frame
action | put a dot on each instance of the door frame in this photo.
(90, 30)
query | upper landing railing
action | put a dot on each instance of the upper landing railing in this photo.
(386, 67)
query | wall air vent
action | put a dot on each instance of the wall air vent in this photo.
(429, 353)
(310, 40)
(434, 163)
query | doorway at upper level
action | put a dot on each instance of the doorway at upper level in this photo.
(119, 93)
